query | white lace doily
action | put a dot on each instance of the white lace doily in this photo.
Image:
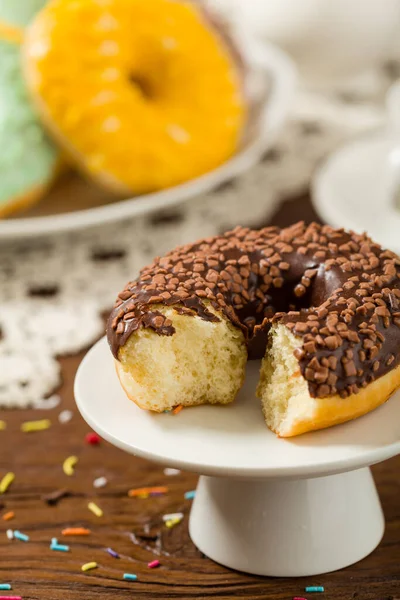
(52, 293)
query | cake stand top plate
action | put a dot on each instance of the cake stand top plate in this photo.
(228, 440)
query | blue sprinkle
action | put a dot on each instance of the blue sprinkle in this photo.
(59, 548)
(314, 588)
(112, 552)
(21, 536)
(5, 586)
(190, 495)
(54, 541)
(130, 577)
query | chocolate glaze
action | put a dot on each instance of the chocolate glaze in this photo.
(337, 291)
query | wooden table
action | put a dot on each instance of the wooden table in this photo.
(134, 527)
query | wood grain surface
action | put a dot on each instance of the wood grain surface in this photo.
(134, 528)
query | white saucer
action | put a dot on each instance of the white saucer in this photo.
(263, 505)
(356, 188)
(270, 84)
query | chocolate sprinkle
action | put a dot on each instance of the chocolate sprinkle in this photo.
(337, 291)
(54, 497)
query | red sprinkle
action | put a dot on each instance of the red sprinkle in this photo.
(92, 438)
(299, 598)
(153, 564)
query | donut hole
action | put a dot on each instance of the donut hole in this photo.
(160, 372)
(143, 84)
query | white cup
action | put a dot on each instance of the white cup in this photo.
(329, 39)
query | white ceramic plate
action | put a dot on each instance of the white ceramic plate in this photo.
(228, 440)
(270, 86)
(357, 188)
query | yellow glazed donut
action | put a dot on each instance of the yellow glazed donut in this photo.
(144, 94)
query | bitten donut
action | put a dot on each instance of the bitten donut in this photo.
(28, 159)
(327, 300)
(150, 98)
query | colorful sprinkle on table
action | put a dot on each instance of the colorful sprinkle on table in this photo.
(96, 510)
(65, 416)
(146, 491)
(6, 482)
(10, 534)
(69, 465)
(3, 425)
(75, 531)
(172, 522)
(5, 586)
(299, 598)
(314, 588)
(172, 516)
(92, 438)
(59, 547)
(89, 566)
(100, 482)
(31, 426)
(170, 472)
(10, 598)
(190, 495)
(130, 577)
(153, 564)
(177, 409)
(112, 553)
(8, 515)
(21, 536)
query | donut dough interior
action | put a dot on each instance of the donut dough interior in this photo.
(204, 362)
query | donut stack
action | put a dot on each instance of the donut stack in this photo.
(140, 95)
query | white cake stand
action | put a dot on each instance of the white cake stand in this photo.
(269, 506)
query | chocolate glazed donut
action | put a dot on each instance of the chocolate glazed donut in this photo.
(326, 299)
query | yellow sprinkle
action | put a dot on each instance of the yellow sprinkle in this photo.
(95, 509)
(69, 464)
(172, 522)
(6, 482)
(89, 566)
(3, 425)
(30, 426)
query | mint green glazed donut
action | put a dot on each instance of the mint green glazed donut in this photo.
(28, 159)
(20, 12)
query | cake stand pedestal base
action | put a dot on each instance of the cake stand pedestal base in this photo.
(287, 527)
